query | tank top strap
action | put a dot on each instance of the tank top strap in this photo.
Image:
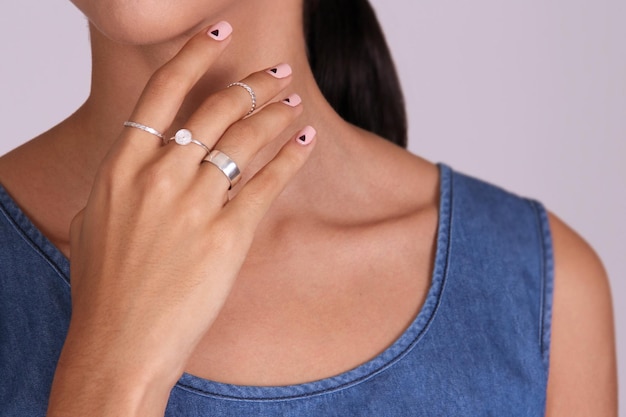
(501, 267)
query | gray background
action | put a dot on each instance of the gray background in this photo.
(527, 94)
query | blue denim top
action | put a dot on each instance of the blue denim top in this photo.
(478, 347)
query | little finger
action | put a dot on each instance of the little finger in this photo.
(253, 201)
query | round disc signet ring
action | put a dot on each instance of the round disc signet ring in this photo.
(184, 137)
(226, 165)
(250, 91)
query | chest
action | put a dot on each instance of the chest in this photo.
(315, 307)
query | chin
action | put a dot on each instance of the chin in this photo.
(143, 22)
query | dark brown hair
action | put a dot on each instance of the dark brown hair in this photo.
(353, 66)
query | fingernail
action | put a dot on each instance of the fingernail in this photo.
(280, 71)
(306, 135)
(293, 100)
(220, 31)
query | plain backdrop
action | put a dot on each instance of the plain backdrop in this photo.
(527, 94)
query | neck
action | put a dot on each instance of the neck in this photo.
(261, 38)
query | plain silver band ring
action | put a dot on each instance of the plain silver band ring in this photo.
(145, 128)
(250, 91)
(226, 165)
(183, 137)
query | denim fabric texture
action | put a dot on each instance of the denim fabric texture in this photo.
(478, 347)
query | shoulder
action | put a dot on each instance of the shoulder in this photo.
(582, 378)
(582, 365)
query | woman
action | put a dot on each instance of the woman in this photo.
(336, 275)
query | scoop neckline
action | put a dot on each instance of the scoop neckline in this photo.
(208, 388)
(27, 230)
(383, 361)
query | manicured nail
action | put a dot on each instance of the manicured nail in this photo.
(306, 135)
(293, 100)
(220, 31)
(280, 71)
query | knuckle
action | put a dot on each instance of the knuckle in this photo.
(156, 179)
(220, 97)
(242, 131)
(195, 214)
(270, 182)
(238, 98)
(289, 162)
(112, 174)
(220, 106)
(265, 188)
(223, 99)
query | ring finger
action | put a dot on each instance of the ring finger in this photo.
(244, 139)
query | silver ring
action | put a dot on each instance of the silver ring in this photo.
(226, 165)
(250, 91)
(145, 128)
(184, 137)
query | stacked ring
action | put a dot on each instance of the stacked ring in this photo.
(250, 91)
(184, 137)
(145, 128)
(226, 165)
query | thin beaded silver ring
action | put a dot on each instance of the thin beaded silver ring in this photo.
(250, 91)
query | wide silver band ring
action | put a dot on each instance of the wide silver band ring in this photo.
(226, 165)
(184, 137)
(250, 91)
(145, 128)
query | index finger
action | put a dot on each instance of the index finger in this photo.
(165, 91)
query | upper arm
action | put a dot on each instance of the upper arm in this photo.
(582, 379)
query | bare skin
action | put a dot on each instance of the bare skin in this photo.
(583, 372)
(282, 296)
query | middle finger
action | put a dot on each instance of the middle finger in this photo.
(224, 108)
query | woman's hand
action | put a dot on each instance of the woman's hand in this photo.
(157, 248)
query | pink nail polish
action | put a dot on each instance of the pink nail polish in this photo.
(220, 31)
(306, 135)
(280, 71)
(293, 100)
